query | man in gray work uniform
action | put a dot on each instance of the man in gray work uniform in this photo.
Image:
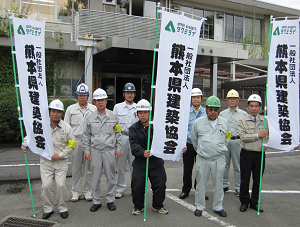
(81, 168)
(102, 142)
(127, 115)
(232, 115)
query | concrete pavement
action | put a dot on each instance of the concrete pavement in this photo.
(280, 197)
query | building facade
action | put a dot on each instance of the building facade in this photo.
(111, 42)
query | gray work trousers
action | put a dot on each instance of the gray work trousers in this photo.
(106, 161)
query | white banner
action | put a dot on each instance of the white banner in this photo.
(178, 46)
(30, 54)
(283, 85)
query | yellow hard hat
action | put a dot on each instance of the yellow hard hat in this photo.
(232, 93)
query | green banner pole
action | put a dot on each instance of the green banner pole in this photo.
(18, 103)
(265, 113)
(151, 96)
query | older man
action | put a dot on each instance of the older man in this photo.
(63, 140)
(102, 142)
(75, 116)
(232, 115)
(252, 132)
(208, 137)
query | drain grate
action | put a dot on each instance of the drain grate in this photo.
(25, 222)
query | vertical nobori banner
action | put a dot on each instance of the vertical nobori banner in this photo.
(283, 85)
(178, 46)
(30, 55)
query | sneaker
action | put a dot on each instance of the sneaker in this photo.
(225, 189)
(74, 198)
(137, 211)
(88, 198)
(119, 195)
(237, 193)
(161, 210)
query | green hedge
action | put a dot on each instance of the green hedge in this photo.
(9, 123)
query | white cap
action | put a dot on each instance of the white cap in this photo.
(99, 94)
(254, 98)
(82, 89)
(56, 104)
(143, 105)
(196, 92)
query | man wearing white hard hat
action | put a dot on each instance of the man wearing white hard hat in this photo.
(81, 168)
(189, 157)
(232, 115)
(138, 138)
(102, 143)
(64, 143)
(251, 130)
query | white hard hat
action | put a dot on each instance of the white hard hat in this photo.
(232, 93)
(56, 104)
(196, 92)
(99, 94)
(255, 98)
(82, 89)
(143, 105)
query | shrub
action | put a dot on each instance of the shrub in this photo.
(9, 123)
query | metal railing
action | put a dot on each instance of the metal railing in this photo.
(106, 24)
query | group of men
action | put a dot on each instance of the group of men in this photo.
(213, 139)
(95, 138)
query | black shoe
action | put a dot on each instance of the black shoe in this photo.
(47, 215)
(206, 197)
(183, 195)
(64, 214)
(255, 207)
(95, 207)
(225, 189)
(198, 213)
(222, 213)
(111, 206)
(243, 207)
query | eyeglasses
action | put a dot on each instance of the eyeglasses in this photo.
(213, 109)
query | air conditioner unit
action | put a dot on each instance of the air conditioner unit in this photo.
(109, 2)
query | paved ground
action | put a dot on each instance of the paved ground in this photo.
(280, 197)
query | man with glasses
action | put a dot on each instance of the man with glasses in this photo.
(208, 138)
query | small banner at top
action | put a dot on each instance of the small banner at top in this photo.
(283, 85)
(30, 55)
(178, 46)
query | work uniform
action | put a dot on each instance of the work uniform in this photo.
(81, 168)
(127, 115)
(233, 146)
(209, 142)
(102, 138)
(251, 156)
(138, 138)
(63, 140)
(189, 157)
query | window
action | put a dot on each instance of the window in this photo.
(207, 31)
(39, 9)
(242, 29)
(238, 29)
(68, 8)
(187, 10)
(229, 28)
